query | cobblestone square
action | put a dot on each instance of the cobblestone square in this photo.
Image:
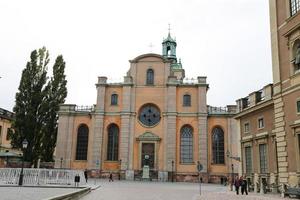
(127, 190)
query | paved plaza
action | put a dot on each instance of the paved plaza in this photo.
(127, 190)
(32, 193)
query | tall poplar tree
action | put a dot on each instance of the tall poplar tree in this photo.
(37, 105)
(55, 95)
(29, 114)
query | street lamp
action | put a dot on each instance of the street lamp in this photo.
(120, 164)
(172, 171)
(61, 160)
(24, 147)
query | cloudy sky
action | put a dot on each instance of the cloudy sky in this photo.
(226, 40)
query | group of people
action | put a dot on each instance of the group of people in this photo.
(240, 183)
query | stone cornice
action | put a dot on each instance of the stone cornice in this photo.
(253, 108)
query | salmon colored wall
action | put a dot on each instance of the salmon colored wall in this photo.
(78, 120)
(156, 64)
(108, 120)
(221, 122)
(193, 122)
(193, 91)
(156, 96)
(108, 92)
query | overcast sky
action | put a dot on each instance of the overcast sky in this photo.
(226, 40)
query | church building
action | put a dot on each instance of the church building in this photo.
(154, 116)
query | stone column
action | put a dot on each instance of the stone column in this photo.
(125, 135)
(202, 123)
(64, 136)
(96, 161)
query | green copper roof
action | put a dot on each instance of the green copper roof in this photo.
(169, 39)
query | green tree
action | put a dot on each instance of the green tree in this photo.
(29, 114)
(37, 104)
(56, 94)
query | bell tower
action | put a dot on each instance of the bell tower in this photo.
(169, 47)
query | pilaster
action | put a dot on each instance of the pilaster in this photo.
(125, 127)
(170, 126)
(202, 124)
(280, 139)
(64, 141)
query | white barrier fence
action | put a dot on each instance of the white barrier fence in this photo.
(10, 176)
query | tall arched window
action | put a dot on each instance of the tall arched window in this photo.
(218, 145)
(82, 142)
(150, 77)
(186, 100)
(113, 142)
(186, 144)
(114, 99)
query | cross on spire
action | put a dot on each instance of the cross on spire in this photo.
(151, 46)
(169, 28)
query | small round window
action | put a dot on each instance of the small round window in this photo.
(149, 115)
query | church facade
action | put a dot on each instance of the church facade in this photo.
(153, 117)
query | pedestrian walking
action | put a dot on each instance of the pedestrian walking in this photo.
(111, 177)
(244, 185)
(237, 184)
(86, 175)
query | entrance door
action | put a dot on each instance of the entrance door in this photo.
(148, 154)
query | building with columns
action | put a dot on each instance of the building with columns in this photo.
(285, 40)
(154, 117)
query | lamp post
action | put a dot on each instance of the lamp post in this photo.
(172, 171)
(120, 164)
(24, 147)
(61, 160)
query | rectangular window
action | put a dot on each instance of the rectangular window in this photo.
(263, 158)
(186, 100)
(0, 132)
(261, 123)
(7, 133)
(298, 106)
(294, 6)
(248, 159)
(246, 127)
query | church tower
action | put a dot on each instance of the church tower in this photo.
(169, 48)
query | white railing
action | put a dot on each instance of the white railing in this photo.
(11, 176)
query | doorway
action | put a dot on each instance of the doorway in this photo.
(148, 154)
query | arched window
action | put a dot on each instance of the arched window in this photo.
(113, 142)
(114, 99)
(186, 144)
(218, 146)
(186, 100)
(82, 142)
(150, 77)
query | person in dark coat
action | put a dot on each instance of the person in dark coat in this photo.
(237, 184)
(111, 177)
(244, 185)
(86, 175)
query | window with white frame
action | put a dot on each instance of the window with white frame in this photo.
(263, 158)
(298, 106)
(261, 123)
(246, 127)
(294, 6)
(248, 159)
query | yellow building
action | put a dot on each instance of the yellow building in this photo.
(153, 117)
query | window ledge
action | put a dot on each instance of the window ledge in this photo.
(187, 163)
